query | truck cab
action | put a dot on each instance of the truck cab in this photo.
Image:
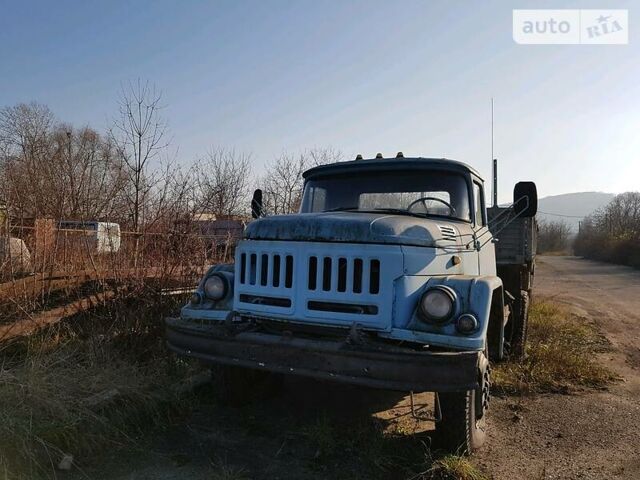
(386, 278)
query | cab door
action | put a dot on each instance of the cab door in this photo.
(483, 241)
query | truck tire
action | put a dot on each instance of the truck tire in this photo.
(462, 428)
(236, 386)
(520, 326)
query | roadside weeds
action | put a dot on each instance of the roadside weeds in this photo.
(451, 467)
(104, 379)
(562, 355)
(90, 382)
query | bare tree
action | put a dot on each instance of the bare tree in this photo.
(139, 134)
(172, 198)
(24, 139)
(322, 156)
(282, 184)
(51, 169)
(24, 129)
(91, 175)
(283, 181)
(224, 182)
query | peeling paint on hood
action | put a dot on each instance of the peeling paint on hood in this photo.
(354, 227)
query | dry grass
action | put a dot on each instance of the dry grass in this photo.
(366, 449)
(362, 442)
(451, 467)
(89, 383)
(94, 381)
(562, 353)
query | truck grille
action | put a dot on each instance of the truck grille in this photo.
(341, 274)
(266, 270)
(336, 284)
(338, 274)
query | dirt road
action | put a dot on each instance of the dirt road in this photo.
(592, 435)
(589, 435)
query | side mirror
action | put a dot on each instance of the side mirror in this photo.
(525, 199)
(256, 204)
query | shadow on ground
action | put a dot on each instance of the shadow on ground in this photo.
(307, 430)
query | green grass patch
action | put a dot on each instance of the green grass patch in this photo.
(562, 351)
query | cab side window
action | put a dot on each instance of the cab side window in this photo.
(478, 195)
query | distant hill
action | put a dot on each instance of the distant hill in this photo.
(578, 204)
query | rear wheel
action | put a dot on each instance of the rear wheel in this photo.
(462, 428)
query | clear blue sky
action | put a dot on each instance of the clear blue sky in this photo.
(363, 77)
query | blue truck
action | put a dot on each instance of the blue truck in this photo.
(390, 276)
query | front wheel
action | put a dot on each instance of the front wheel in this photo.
(462, 427)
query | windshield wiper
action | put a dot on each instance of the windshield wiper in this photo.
(402, 211)
(399, 211)
(340, 209)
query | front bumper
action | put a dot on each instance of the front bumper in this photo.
(377, 365)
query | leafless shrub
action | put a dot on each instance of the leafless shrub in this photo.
(613, 233)
(223, 181)
(553, 236)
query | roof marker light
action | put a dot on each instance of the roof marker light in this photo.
(378, 155)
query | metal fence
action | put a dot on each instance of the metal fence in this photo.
(46, 250)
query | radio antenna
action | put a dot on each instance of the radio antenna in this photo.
(495, 163)
(491, 127)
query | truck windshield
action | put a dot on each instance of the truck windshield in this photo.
(403, 192)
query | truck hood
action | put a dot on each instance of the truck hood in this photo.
(358, 227)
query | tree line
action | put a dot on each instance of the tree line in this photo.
(612, 234)
(554, 236)
(127, 174)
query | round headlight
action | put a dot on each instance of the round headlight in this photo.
(437, 304)
(215, 287)
(466, 324)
